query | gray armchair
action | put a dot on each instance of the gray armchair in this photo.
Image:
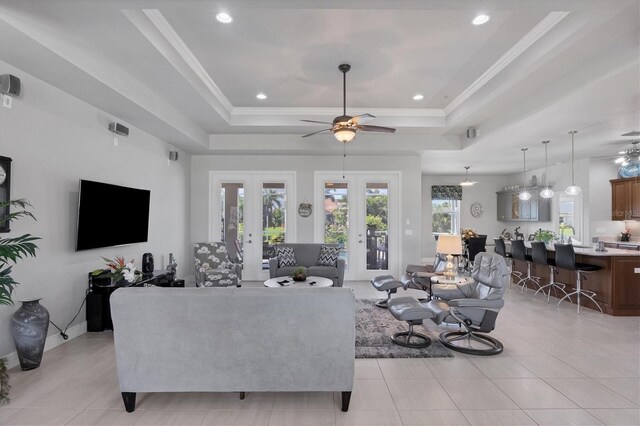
(474, 306)
(214, 268)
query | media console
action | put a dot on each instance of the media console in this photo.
(100, 289)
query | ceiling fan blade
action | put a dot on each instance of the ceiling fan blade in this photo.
(314, 121)
(315, 133)
(362, 118)
(634, 133)
(380, 129)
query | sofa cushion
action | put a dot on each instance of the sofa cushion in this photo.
(287, 271)
(323, 271)
(328, 256)
(286, 256)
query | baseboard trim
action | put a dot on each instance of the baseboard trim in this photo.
(52, 341)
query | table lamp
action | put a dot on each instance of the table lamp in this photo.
(449, 245)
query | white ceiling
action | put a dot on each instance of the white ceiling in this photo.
(535, 71)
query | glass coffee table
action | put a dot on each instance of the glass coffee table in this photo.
(311, 281)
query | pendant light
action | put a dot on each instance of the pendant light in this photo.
(524, 195)
(546, 192)
(573, 189)
(466, 181)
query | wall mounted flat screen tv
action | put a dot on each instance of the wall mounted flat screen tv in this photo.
(111, 215)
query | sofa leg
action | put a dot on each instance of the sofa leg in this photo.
(242, 395)
(346, 398)
(129, 399)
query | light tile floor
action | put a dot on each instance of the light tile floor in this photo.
(557, 368)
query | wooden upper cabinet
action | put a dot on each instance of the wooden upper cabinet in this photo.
(625, 199)
(635, 199)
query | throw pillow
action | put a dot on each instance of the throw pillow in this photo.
(286, 256)
(328, 256)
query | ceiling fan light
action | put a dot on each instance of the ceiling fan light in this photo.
(467, 183)
(547, 193)
(573, 190)
(524, 195)
(345, 134)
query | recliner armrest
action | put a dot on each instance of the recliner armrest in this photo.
(477, 303)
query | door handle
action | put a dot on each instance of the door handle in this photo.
(360, 241)
(249, 241)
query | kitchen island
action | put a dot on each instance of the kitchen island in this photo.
(617, 284)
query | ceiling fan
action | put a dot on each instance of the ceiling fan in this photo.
(345, 127)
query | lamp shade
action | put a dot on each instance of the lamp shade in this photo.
(344, 134)
(449, 244)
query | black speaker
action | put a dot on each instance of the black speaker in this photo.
(9, 85)
(147, 263)
(94, 312)
(119, 129)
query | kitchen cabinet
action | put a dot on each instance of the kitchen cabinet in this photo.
(625, 199)
(513, 209)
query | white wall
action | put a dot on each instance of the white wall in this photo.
(483, 192)
(304, 167)
(54, 140)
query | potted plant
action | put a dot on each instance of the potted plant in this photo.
(11, 251)
(544, 235)
(118, 270)
(299, 274)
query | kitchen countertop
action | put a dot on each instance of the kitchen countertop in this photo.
(592, 252)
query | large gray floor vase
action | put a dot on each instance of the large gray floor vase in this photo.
(29, 326)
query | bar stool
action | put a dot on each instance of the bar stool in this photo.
(566, 259)
(519, 252)
(539, 256)
(501, 249)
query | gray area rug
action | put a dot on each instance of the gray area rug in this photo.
(374, 328)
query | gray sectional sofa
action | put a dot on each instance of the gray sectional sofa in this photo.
(307, 256)
(234, 340)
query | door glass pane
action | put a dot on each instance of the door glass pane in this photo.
(232, 217)
(274, 209)
(336, 216)
(377, 216)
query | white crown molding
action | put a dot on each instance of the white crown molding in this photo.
(169, 33)
(304, 111)
(546, 24)
(85, 59)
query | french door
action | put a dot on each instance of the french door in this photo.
(361, 213)
(252, 211)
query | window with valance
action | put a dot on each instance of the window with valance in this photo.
(445, 202)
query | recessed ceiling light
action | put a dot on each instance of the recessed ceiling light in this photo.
(261, 96)
(481, 19)
(224, 17)
(418, 97)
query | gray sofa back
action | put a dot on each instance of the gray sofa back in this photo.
(234, 339)
(307, 254)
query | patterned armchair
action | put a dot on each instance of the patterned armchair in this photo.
(213, 266)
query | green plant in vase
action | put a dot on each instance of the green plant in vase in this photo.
(299, 274)
(544, 235)
(11, 251)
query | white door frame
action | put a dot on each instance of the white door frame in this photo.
(356, 181)
(252, 183)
